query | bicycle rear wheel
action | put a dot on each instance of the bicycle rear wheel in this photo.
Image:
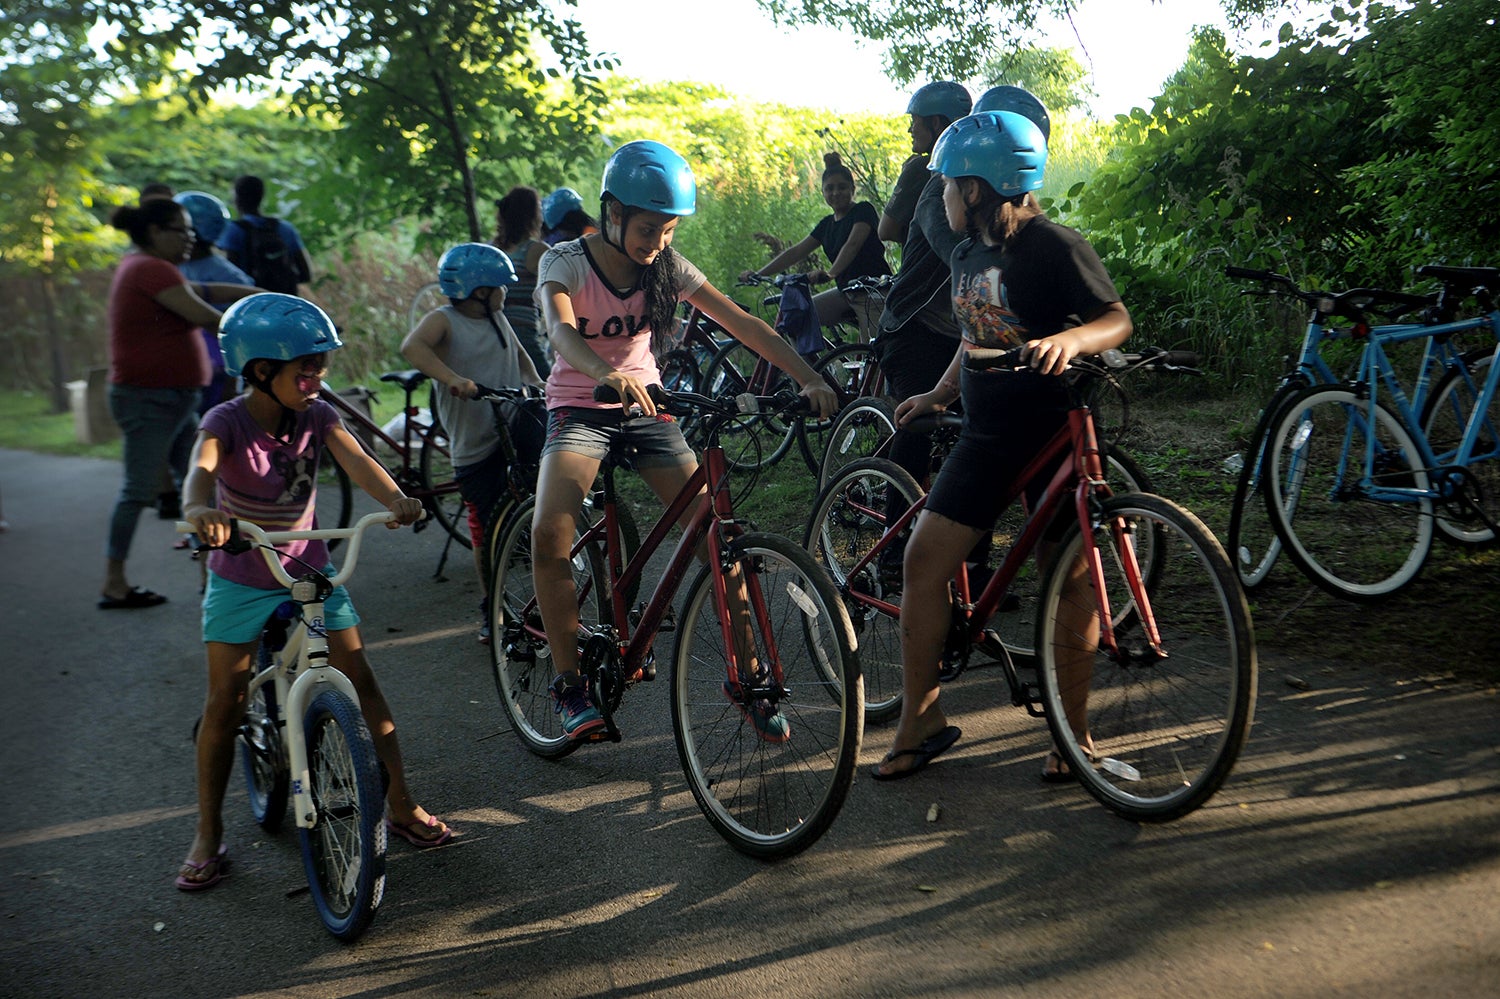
(519, 655)
(428, 297)
(344, 852)
(262, 749)
(860, 430)
(849, 518)
(1160, 733)
(1252, 541)
(847, 368)
(1445, 420)
(335, 498)
(436, 468)
(1318, 493)
(769, 799)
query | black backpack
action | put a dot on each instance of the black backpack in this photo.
(266, 257)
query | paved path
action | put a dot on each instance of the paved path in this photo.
(1354, 852)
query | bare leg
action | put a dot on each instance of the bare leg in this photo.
(1075, 637)
(224, 706)
(564, 481)
(933, 554)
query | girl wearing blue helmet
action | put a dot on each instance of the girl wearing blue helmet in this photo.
(1018, 279)
(461, 346)
(256, 458)
(605, 299)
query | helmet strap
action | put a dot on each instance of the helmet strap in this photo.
(489, 313)
(604, 223)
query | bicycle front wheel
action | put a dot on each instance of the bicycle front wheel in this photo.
(344, 852)
(334, 500)
(519, 654)
(756, 440)
(263, 751)
(436, 468)
(1318, 493)
(1253, 544)
(850, 517)
(428, 297)
(859, 431)
(1151, 733)
(848, 369)
(769, 760)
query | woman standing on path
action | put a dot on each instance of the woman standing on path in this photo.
(157, 366)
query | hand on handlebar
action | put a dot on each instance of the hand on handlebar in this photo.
(464, 388)
(821, 397)
(406, 511)
(920, 405)
(632, 392)
(1051, 355)
(211, 525)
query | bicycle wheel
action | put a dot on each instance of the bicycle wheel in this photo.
(520, 657)
(1444, 421)
(1110, 405)
(849, 517)
(344, 852)
(756, 440)
(427, 298)
(436, 468)
(1166, 728)
(335, 498)
(262, 751)
(1253, 544)
(1318, 493)
(679, 370)
(847, 368)
(769, 799)
(1015, 620)
(859, 431)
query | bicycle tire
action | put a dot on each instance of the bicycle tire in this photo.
(769, 800)
(1110, 405)
(1252, 542)
(849, 517)
(263, 756)
(860, 430)
(436, 469)
(845, 368)
(679, 370)
(335, 499)
(521, 662)
(428, 297)
(1166, 731)
(757, 440)
(1015, 621)
(344, 852)
(1444, 419)
(1347, 544)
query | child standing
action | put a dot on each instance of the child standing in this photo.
(461, 346)
(1019, 279)
(604, 299)
(256, 458)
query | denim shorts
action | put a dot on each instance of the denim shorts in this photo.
(236, 613)
(638, 442)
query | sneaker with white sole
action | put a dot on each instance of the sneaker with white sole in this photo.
(570, 699)
(770, 724)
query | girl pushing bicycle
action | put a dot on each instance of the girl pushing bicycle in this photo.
(1019, 279)
(605, 298)
(256, 459)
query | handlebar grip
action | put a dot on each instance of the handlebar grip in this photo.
(603, 393)
(1250, 274)
(985, 358)
(1180, 358)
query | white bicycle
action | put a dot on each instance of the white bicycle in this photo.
(327, 764)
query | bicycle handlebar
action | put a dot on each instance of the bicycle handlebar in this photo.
(1351, 304)
(745, 403)
(1183, 361)
(244, 536)
(509, 394)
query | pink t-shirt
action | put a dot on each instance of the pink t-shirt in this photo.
(150, 346)
(613, 322)
(270, 483)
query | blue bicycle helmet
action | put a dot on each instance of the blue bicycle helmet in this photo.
(468, 267)
(276, 327)
(1023, 102)
(650, 176)
(557, 205)
(1002, 148)
(946, 98)
(207, 212)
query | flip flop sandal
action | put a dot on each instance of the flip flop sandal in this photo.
(136, 598)
(220, 864)
(412, 832)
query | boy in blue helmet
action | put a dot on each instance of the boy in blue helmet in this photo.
(256, 459)
(1020, 279)
(461, 346)
(606, 300)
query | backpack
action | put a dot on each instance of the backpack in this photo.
(267, 258)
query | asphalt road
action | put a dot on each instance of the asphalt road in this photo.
(1354, 852)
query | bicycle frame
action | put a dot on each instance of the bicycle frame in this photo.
(1079, 479)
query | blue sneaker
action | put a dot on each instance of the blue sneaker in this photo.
(570, 698)
(770, 724)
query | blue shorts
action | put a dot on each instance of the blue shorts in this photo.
(236, 613)
(639, 442)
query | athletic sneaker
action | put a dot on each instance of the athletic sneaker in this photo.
(484, 633)
(770, 724)
(570, 698)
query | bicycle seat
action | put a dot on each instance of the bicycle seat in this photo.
(408, 380)
(929, 422)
